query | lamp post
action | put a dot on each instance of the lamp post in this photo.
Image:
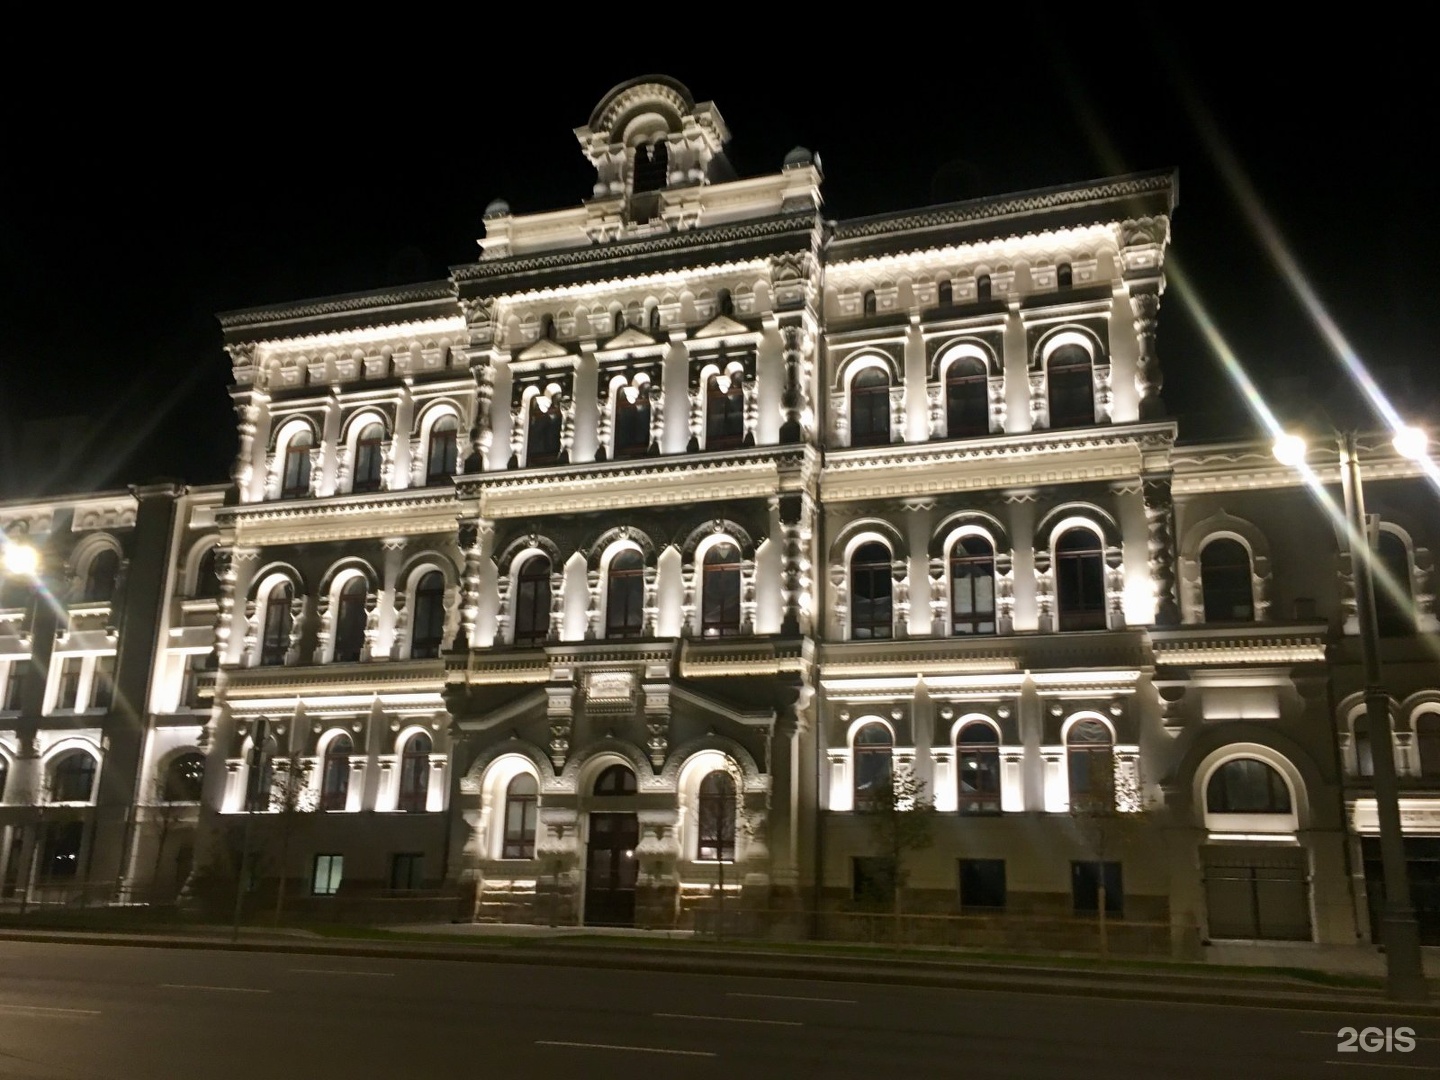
(1399, 933)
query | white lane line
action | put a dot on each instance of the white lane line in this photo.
(792, 997)
(634, 1049)
(228, 989)
(6, 1007)
(336, 971)
(729, 1019)
(1383, 1065)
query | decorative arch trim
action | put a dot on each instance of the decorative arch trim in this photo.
(718, 527)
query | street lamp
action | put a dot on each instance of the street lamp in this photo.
(1404, 970)
(21, 559)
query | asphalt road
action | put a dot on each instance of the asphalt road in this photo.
(80, 1012)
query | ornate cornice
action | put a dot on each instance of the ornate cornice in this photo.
(1028, 202)
(344, 304)
(1229, 646)
(343, 517)
(396, 681)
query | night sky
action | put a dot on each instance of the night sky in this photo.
(227, 188)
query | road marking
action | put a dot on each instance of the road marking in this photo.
(636, 1049)
(729, 1019)
(7, 1007)
(337, 971)
(791, 997)
(228, 989)
(1383, 1065)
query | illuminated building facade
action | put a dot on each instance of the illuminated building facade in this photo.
(623, 564)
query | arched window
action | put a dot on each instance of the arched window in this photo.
(1427, 741)
(100, 576)
(982, 287)
(871, 615)
(651, 168)
(350, 616)
(1080, 580)
(867, 302)
(724, 303)
(1091, 763)
(625, 596)
(1364, 750)
(870, 407)
(618, 322)
(655, 321)
(275, 644)
(1064, 276)
(1071, 383)
(440, 458)
(72, 777)
(874, 762)
(415, 774)
(632, 422)
(522, 801)
(542, 432)
(428, 626)
(945, 293)
(967, 399)
(1225, 581)
(207, 580)
(1247, 786)
(720, 591)
(369, 452)
(615, 780)
(295, 480)
(184, 778)
(547, 327)
(716, 818)
(532, 601)
(724, 413)
(335, 780)
(978, 752)
(1394, 613)
(972, 586)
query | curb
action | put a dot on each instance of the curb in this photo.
(1001, 980)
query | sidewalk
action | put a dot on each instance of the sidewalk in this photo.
(941, 968)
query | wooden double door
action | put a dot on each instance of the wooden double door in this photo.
(611, 869)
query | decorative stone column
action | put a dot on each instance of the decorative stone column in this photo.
(559, 705)
(796, 517)
(1160, 526)
(1039, 401)
(797, 345)
(471, 548)
(482, 433)
(1145, 303)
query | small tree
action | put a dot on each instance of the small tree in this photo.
(290, 798)
(901, 817)
(169, 808)
(1105, 817)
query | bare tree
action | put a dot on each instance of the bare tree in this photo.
(901, 817)
(1105, 818)
(169, 808)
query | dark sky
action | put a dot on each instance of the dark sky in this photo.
(122, 235)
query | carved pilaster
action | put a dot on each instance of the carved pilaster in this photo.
(1148, 379)
(688, 601)
(999, 409)
(482, 434)
(751, 392)
(387, 463)
(900, 590)
(935, 403)
(1127, 782)
(1044, 591)
(1104, 396)
(657, 418)
(251, 643)
(796, 346)
(225, 602)
(747, 596)
(323, 629)
(402, 621)
(593, 613)
(518, 423)
(796, 516)
(897, 413)
(470, 580)
(248, 414)
(840, 597)
(1160, 526)
(939, 596)
(1115, 587)
(657, 722)
(652, 607)
(502, 610)
(417, 462)
(372, 624)
(317, 465)
(1004, 592)
(559, 710)
(557, 602)
(1039, 401)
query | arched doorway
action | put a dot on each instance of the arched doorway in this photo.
(611, 867)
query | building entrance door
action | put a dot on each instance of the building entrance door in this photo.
(611, 869)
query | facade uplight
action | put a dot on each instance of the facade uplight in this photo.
(1411, 442)
(1290, 450)
(21, 559)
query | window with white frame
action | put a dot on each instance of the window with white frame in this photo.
(978, 769)
(542, 431)
(1247, 786)
(870, 407)
(625, 595)
(1070, 386)
(720, 591)
(632, 422)
(427, 625)
(967, 398)
(1090, 764)
(442, 450)
(1080, 580)
(716, 812)
(295, 467)
(532, 601)
(277, 624)
(350, 620)
(1226, 581)
(871, 593)
(872, 748)
(369, 458)
(725, 410)
(100, 575)
(522, 801)
(70, 777)
(415, 774)
(972, 586)
(335, 774)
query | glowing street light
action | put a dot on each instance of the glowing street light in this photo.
(1411, 442)
(1399, 933)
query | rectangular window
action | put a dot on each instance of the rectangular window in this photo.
(1085, 879)
(328, 870)
(69, 683)
(873, 881)
(407, 871)
(15, 685)
(102, 683)
(982, 885)
(60, 860)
